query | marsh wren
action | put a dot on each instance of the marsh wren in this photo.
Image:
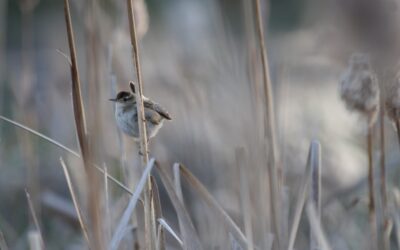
(127, 117)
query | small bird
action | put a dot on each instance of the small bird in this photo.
(127, 117)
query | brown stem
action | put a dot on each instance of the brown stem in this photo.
(80, 123)
(150, 224)
(275, 173)
(371, 207)
(398, 130)
(386, 244)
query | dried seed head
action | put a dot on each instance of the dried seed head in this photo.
(393, 101)
(359, 87)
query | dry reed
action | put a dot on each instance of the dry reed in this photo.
(393, 106)
(75, 201)
(35, 219)
(156, 207)
(150, 224)
(63, 147)
(35, 240)
(189, 235)
(360, 91)
(312, 161)
(245, 201)
(316, 227)
(123, 222)
(315, 193)
(275, 173)
(213, 204)
(80, 123)
(164, 224)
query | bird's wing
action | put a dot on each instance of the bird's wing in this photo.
(152, 116)
(156, 107)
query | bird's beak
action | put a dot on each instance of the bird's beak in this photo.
(112, 99)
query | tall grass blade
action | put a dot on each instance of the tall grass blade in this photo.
(209, 199)
(156, 207)
(371, 191)
(34, 217)
(234, 245)
(123, 222)
(315, 192)
(178, 189)
(80, 123)
(150, 224)
(107, 204)
(275, 173)
(35, 240)
(313, 157)
(75, 201)
(316, 227)
(189, 235)
(74, 153)
(165, 225)
(245, 195)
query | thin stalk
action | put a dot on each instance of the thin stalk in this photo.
(210, 200)
(34, 240)
(156, 206)
(316, 194)
(164, 224)
(245, 195)
(386, 243)
(124, 221)
(270, 113)
(253, 74)
(35, 219)
(75, 201)
(80, 123)
(107, 205)
(189, 235)
(178, 190)
(398, 131)
(61, 146)
(275, 173)
(313, 158)
(24, 109)
(371, 206)
(150, 223)
(316, 227)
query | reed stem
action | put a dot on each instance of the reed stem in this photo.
(150, 224)
(371, 207)
(275, 173)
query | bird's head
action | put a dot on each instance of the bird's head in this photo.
(124, 98)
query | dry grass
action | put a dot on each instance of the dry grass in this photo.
(252, 199)
(150, 223)
(80, 123)
(275, 173)
(35, 220)
(75, 201)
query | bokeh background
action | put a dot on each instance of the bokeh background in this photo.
(195, 58)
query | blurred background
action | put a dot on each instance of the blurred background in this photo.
(195, 57)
